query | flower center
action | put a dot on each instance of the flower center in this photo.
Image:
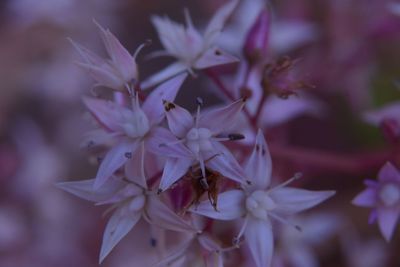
(135, 123)
(199, 139)
(390, 194)
(259, 204)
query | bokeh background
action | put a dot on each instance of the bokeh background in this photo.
(348, 49)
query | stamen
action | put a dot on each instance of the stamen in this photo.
(284, 221)
(188, 18)
(295, 177)
(148, 42)
(236, 240)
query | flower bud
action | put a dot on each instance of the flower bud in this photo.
(256, 41)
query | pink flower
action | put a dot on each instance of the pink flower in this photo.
(131, 200)
(258, 204)
(119, 72)
(201, 136)
(127, 127)
(193, 50)
(384, 197)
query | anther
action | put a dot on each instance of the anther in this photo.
(199, 101)
(153, 242)
(159, 191)
(128, 155)
(235, 136)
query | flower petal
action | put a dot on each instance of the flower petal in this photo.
(88, 56)
(230, 206)
(113, 160)
(180, 121)
(366, 198)
(291, 200)
(214, 57)
(166, 73)
(106, 112)
(387, 220)
(153, 106)
(223, 162)
(104, 75)
(259, 167)
(134, 168)
(389, 173)
(164, 217)
(174, 169)
(259, 239)
(120, 56)
(84, 189)
(176, 255)
(117, 227)
(221, 119)
(162, 142)
(217, 22)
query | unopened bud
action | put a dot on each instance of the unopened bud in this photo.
(256, 41)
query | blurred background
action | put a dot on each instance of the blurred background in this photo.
(348, 49)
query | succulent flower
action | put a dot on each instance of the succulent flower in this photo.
(383, 196)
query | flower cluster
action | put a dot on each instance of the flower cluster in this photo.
(184, 172)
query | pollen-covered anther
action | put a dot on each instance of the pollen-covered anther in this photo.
(168, 105)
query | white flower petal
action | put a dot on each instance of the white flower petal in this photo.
(117, 227)
(387, 220)
(166, 73)
(174, 169)
(180, 121)
(259, 166)
(164, 217)
(214, 57)
(291, 200)
(259, 239)
(230, 206)
(134, 167)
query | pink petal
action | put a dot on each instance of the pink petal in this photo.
(291, 200)
(117, 227)
(389, 173)
(221, 119)
(180, 121)
(174, 169)
(230, 206)
(166, 73)
(119, 55)
(106, 112)
(162, 216)
(153, 106)
(214, 57)
(162, 142)
(387, 220)
(259, 167)
(113, 160)
(366, 198)
(259, 239)
(104, 75)
(84, 189)
(217, 22)
(87, 55)
(134, 168)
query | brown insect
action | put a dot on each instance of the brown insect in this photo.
(201, 184)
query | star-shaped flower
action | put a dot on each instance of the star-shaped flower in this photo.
(193, 50)
(201, 136)
(119, 72)
(131, 200)
(127, 127)
(258, 204)
(384, 197)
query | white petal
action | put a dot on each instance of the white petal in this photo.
(174, 169)
(166, 73)
(366, 198)
(214, 57)
(164, 217)
(259, 167)
(180, 121)
(153, 106)
(117, 227)
(162, 142)
(291, 200)
(134, 168)
(387, 220)
(84, 189)
(259, 239)
(230, 206)
(113, 160)
(216, 24)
